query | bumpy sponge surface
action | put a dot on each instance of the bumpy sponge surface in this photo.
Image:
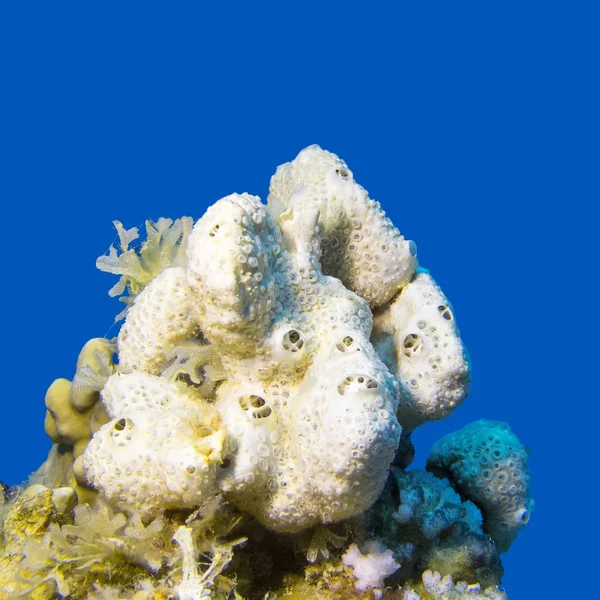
(235, 265)
(487, 464)
(160, 448)
(159, 318)
(417, 337)
(361, 246)
(431, 505)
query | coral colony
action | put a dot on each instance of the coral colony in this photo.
(248, 433)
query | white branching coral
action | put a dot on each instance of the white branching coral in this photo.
(197, 585)
(372, 568)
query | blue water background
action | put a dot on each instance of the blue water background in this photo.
(474, 124)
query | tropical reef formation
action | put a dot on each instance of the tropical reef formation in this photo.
(248, 433)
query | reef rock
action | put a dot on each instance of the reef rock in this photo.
(273, 362)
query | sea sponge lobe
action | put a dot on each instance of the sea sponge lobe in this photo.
(488, 465)
(417, 337)
(160, 446)
(360, 244)
(235, 266)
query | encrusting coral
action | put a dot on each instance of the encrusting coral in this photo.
(248, 433)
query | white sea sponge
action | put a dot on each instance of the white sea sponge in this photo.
(161, 447)
(361, 246)
(302, 423)
(309, 406)
(417, 338)
(158, 319)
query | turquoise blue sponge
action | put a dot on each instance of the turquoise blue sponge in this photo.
(486, 463)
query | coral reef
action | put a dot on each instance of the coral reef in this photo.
(248, 433)
(436, 587)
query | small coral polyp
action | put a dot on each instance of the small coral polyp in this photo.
(274, 360)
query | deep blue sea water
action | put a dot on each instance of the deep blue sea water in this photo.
(474, 124)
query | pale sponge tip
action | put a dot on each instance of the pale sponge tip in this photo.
(361, 246)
